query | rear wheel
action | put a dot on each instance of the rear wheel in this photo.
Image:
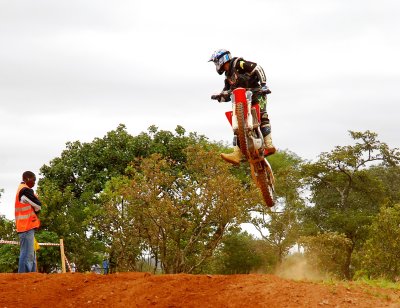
(241, 129)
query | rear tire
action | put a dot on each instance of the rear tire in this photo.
(241, 129)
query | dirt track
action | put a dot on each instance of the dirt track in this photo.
(144, 290)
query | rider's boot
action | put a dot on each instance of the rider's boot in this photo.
(266, 132)
(233, 158)
(269, 147)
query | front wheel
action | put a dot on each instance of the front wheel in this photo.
(241, 129)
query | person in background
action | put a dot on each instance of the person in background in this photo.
(105, 266)
(27, 208)
(240, 73)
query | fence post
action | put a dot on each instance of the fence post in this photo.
(62, 255)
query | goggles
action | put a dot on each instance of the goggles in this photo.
(221, 60)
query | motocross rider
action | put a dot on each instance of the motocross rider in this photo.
(244, 74)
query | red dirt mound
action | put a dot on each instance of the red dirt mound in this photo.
(144, 290)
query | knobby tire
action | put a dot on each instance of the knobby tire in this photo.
(265, 187)
(241, 129)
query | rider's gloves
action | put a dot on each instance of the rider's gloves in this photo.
(216, 97)
(265, 89)
(224, 96)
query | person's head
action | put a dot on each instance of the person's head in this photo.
(29, 178)
(221, 59)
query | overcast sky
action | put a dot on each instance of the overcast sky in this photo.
(73, 70)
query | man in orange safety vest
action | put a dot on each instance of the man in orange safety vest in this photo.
(27, 207)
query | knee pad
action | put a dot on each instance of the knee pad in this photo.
(264, 119)
(265, 124)
(265, 130)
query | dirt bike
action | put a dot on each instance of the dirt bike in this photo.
(245, 121)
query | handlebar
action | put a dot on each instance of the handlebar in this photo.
(260, 90)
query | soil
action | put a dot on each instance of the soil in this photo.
(183, 290)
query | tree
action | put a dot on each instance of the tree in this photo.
(389, 176)
(8, 253)
(48, 257)
(280, 228)
(344, 194)
(179, 211)
(324, 253)
(238, 254)
(72, 183)
(380, 254)
(70, 187)
(118, 227)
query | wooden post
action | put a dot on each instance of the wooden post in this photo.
(62, 255)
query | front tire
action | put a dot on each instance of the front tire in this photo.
(241, 130)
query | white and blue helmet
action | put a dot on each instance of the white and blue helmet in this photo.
(220, 57)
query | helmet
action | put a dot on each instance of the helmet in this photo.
(220, 57)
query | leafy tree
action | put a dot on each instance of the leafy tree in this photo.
(280, 228)
(8, 253)
(389, 176)
(345, 195)
(118, 228)
(324, 252)
(238, 254)
(380, 254)
(48, 257)
(70, 187)
(7, 230)
(72, 183)
(180, 211)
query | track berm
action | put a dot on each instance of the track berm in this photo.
(183, 290)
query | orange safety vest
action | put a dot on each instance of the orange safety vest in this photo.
(25, 216)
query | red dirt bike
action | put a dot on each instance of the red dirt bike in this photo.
(245, 121)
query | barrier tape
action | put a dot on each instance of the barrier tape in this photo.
(9, 242)
(48, 244)
(17, 243)
(44, 244)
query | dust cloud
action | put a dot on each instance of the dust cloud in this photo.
(296, 267)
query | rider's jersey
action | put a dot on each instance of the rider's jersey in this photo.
(244, 74)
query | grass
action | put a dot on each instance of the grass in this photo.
(380, 283)
(375, 287)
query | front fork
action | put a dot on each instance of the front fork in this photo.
(248, 116)
(252, 123)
